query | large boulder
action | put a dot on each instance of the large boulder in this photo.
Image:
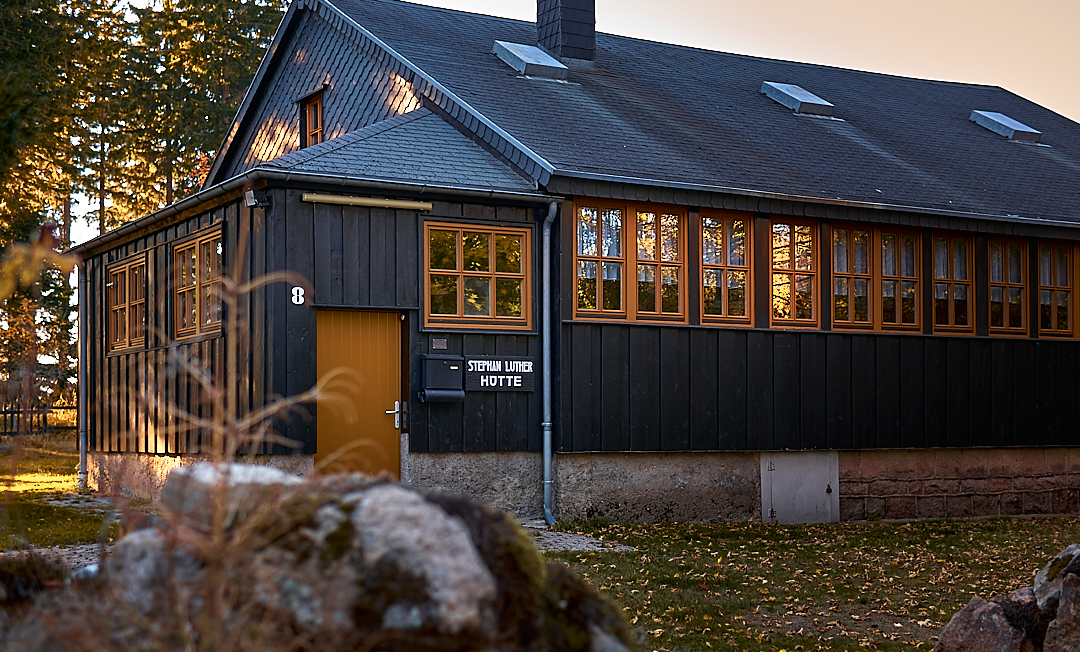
(1063, 634)
(1048, 580)
(981, 626)
(263, 561)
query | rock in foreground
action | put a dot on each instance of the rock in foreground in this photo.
(1041, 618)
(248, 560)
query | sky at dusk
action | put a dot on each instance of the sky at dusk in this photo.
(1030, 48)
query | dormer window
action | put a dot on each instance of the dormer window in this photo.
(311, 128)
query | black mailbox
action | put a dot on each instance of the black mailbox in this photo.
(443, 379)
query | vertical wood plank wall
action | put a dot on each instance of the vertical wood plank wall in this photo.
(655, 388)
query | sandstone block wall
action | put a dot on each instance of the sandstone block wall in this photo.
(935, 483)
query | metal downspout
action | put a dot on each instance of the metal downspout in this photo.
(83, 348)
(553, 208)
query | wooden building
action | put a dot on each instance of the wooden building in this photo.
(776, 288)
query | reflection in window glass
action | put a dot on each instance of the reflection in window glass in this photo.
(612, 233)
(646, 236)
(477, 274)
(723, 258)
(1006, 286)
(861, 252)
(669, 230)
(612, 286)
(647, 288)
(587, 286)
(792, 254)
(443, 295)
(477, 296)
(669, 301)
(442, 249)
(508, 253)
(1055, 282)
(951, 295)
(587, 232)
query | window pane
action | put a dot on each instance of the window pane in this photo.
(210, 305)
(909, 296)
(941, 303)
(120, 287)
(211, 259)
(781, 246)
(712, 241)
(861, 309)
(941, 259)
(959, 253)
(1063, 310)
(781, 295)
(840, 251)
(612, 286)
(443, 295)
(907, 256)
(712, 300)
(477, 296)
(840, 299)
(587, 232)
(586, 284)
(646, 236)
(121, 325)
(611, 230)
(860, 250)
(474, 252)
(646, 283)
(888, 301)
(997, 306)
(1045, 270)
(960, 305)
(1063, 268)
(669, 237)
(1015, 264)
(138, 283)
(508, 254)
(737, 243)
(669, 280)
(997, 262)
(442, 249)
(804, 247)
(1045, 311)
(1016, 307)
(138, 320)
(804, 297)
(507, 297)
(193, 316)
(736, 294)
(888, 254)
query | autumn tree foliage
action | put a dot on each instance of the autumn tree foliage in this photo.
(114, 107)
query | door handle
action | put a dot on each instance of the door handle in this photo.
(397, 414)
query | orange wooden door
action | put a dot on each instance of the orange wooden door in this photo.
(369, 344)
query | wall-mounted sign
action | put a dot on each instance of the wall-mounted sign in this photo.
(499, 374)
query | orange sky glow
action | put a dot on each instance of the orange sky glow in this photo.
(1029, 48)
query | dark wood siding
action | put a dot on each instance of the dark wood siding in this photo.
(741, 389)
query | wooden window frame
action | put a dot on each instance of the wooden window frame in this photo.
(125, 305)
(203, 286)
(726, 267)
(311, 106)
(1055, 287)
(952, 281)
(630, 260)
(814, 274)
(490, 321)
(1023, 285)
(876, 278)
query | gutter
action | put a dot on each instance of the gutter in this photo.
(805, 199)
(84, 347)
(553, 208)
(261, 173)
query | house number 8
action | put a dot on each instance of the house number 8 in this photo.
(298, 295)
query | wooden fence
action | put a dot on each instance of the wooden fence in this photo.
(18, 420)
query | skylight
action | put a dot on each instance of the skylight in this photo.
(796, 98)
(530, 60)
(999, 123)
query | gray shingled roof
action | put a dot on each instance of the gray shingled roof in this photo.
(684, 116)
(417, 147)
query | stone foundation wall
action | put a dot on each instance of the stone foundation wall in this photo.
(140, 475)
(510, 481)
(935, 483)
(702, 487)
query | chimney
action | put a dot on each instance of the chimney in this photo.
(567, 28)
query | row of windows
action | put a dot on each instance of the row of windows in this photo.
(631, 263)
(196, 305)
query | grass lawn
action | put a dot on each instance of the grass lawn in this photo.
(33, 472)
(748, 586)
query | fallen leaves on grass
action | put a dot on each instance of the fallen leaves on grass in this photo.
(748, 586)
